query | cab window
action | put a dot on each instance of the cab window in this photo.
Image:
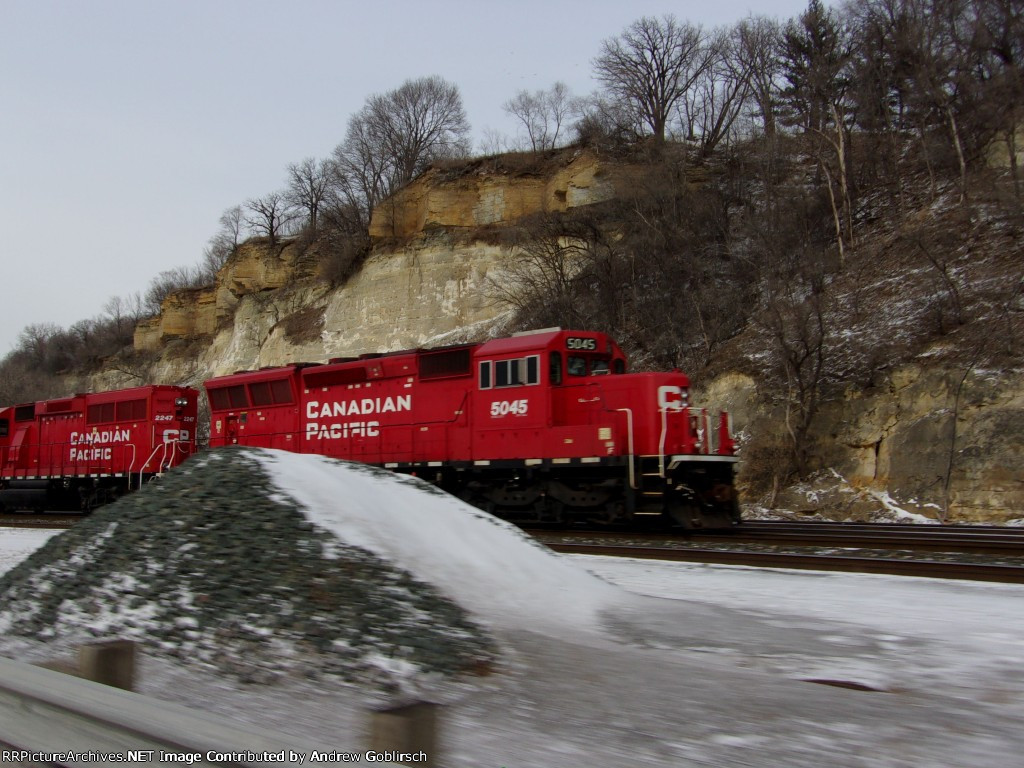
(577, 366)
(5, 427)
(510, 373)
(555, 368)
(598, 367)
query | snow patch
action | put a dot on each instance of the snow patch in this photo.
(487, 565)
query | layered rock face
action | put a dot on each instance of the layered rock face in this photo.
(928, 440)
(476, 196)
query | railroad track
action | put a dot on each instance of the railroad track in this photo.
(982, 553)
(1011, 574)
(56, 521)
(990, 540)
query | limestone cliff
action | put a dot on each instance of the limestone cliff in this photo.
(484, 193)
(927, 439)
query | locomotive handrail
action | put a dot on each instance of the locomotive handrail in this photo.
(149, 458)
(169, 459)
(661, 442)
(131, 464)
(629, 444)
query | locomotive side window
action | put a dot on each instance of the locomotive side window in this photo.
(131, 410)
(270, 393)
(219, 399)
(555, 368)
(5, 427)
(514, 373)
(237, 397)
(506, 373)
(100, 414)
(224, 398)
(25, 412)
(282, 392)
(533, 369)
(446, 363)
(260, 393)
(336, 377)
(619, 366)
(510, 373)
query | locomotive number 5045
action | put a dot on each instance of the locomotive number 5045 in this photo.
(505, 407)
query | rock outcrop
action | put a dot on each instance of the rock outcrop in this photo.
(483, 194)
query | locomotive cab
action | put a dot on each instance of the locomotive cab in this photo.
(561, 433)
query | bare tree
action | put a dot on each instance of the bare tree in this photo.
(795, 319)
(232, 222)
(308, 183)
(418, 123)
(651, 65)
(270, 215)
(604, 121)
(542, 114)
(220, 247)
(494, 142)
(123, 314)
(363, 172)
(171, 281)
(567, 270)
(997, 55)
(718, 96)
(756, 51)
(392, 139)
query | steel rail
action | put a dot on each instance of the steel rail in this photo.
(922, 568)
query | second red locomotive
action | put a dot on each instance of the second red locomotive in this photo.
(78, 452)
(544, 426)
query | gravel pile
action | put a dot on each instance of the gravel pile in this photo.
(211, 564)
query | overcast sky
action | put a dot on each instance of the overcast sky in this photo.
(127, 127)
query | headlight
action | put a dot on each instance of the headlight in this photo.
(181, 402)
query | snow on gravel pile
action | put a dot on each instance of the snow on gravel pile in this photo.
(218, 564)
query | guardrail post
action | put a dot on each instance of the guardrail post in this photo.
(111, 662)
(407, 729)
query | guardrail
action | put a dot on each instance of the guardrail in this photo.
(51, 718)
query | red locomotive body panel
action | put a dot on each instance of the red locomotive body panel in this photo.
(88, 447)
(539, 421)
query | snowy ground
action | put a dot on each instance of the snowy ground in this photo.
(677, 665)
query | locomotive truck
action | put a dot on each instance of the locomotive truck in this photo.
(542, 427)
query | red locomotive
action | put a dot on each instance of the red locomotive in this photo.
(82, 451)
(544, 426)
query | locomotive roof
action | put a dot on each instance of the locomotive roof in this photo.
(532, 341)
(126, 394)
(263, 374)
(525, 342)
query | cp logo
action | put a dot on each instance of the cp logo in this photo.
(671, 398)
